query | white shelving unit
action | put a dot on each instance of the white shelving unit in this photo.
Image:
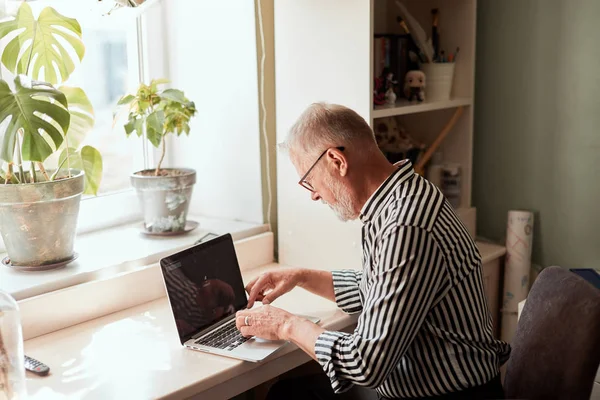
(324, 52)
(404, 107)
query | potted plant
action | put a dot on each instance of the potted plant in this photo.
(45, 170)
(164, 193)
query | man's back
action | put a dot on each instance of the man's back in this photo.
(421, 290)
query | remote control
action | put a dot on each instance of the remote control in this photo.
(38, 368)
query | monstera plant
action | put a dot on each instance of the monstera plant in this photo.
(43, 123)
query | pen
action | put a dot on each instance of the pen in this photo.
(403, 25)
(435, 37)
(456, 54)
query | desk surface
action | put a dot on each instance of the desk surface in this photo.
(136, 353)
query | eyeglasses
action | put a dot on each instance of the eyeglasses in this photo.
(303, 182)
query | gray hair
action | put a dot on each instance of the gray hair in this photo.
(324, 125)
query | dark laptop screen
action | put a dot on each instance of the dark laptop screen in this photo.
(204, 285)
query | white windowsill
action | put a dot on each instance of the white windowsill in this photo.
(112, 251)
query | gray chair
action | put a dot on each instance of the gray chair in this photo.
(556, 349)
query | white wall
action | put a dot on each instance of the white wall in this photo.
(321, 54)
(212, 53)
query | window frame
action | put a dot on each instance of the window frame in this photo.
(122, 207)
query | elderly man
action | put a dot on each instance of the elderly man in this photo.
(424, 329)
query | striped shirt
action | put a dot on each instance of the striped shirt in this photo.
(424, 328)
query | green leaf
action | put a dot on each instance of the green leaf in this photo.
(92, 166)
(74, 160)
(155, 82)
(88, 160)
(44, 47)
(82, 114)
(40, 111)
(174, 95)
(154, 127)
(126, 99)
(134, 124)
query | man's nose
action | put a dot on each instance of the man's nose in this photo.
(315, 196)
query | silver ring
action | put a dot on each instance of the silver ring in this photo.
(246, 320)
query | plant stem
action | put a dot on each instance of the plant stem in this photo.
(33, 180)
(43, 170)
(8, 173)
(162, 155)
(19, 157)
(68, 155)
(11, 174)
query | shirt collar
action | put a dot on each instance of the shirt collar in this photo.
(375, 204)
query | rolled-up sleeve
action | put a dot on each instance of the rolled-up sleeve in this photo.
(346, 289)
(408, 273)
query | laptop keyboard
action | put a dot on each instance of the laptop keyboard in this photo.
(227, 338)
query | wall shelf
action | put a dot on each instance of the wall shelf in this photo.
(404, 107)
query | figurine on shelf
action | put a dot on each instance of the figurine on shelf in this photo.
(414, 85)
(378, 92)
(390, 97)
(390, 94)
(384, 88)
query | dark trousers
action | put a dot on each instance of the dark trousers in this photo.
(317, 387)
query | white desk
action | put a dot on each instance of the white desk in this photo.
(136, 354)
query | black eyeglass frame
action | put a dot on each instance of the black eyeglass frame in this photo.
(302, 182)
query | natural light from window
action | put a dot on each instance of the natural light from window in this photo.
(108, 69)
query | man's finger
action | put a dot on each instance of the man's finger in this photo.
(251, 284)
(246, 331)
(257, 288)
(273, 294)
(240, 321)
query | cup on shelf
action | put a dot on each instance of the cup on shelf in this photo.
(438, 78)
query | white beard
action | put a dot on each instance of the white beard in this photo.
(343, 209)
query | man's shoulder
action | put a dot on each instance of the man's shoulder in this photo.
(417, 205)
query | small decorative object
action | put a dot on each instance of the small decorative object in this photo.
(12, 370)
(395, 141)
(390, 97)
(389, 81)
(414, 85)
(384, 86)
(451, 183)
(379, 88)
(164, 193)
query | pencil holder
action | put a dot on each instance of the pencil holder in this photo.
(439, 78)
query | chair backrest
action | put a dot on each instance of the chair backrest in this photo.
(556, 349)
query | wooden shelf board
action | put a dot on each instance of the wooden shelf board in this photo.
(490, 251)
(404, 107)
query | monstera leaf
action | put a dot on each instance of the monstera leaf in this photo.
(36, 49)
(82, 114)
(88, 160)
(39, 110)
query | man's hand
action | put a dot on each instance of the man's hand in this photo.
(265, 322)
(273, 323)
(271, 285)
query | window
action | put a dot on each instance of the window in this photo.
(110, 68)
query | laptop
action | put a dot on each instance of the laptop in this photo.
(205, 289)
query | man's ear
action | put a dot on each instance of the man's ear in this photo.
(339, 161)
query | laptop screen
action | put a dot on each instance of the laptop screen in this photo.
(204, 285)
